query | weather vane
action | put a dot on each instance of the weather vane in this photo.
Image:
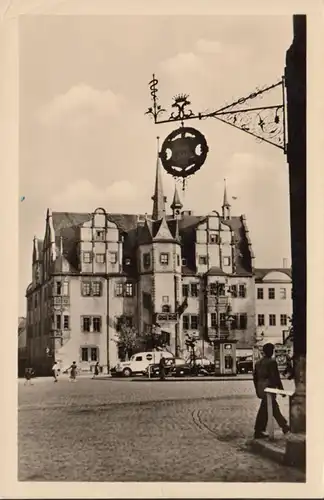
(184, 151)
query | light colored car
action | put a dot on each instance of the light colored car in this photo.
(139, 362)
(203, 362)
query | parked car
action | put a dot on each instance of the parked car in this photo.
(170, 364)
(188, 370)
(244, 364)
(205, 363)
(138, 363)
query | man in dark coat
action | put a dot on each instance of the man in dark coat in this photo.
(266, 374)
(162, 368)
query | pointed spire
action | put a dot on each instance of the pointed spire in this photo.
(158, 198)
(176, 203)
(226, 207)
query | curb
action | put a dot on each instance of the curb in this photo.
(293, 455)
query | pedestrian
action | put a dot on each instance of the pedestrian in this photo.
(162, 368)
(73, 372)
(266, 374)
(55, 370)
(96, 370)
(28, 375)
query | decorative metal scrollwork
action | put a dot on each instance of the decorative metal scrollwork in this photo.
(183, 152)
(266, 123)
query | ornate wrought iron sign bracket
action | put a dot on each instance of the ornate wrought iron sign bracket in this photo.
(266, 123)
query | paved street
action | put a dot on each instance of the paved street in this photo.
(124, 430)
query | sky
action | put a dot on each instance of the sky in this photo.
(85, 141)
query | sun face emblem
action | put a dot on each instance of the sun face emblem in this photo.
(183, 152)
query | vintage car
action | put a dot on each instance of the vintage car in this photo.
(244, 364)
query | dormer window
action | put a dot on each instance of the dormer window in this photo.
(213, 238)
(100, 234)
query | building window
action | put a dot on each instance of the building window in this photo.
(272, 319)
(233, 290)
(84, 354)
(100, 235)
(242, 321)
(58, 287)
(261, 320)
(65, 288)
(260, 293)
(217, 289)
(213, 317)
(96, 288)
(66, 322)
(146, 260)
(184, 262)
(222, 320)
(58, 322)
(165, 299)
(178, 260)
(166, 308)
(194, 290)
(129, 290)
(164, 258)
(226, 261)
(96, 323)
(185, 322)
(87, 257)
(213, 238)
(94, 354)
(86, 323)
(86, 288)
(185, 290)
(202, 260)
(194, 322)
(242, 291)
(113, 257)
(100, 258)
(283, 319)
(283, 293)
(119, 288)
(271, 293)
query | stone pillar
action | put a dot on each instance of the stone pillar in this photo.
(295, 77)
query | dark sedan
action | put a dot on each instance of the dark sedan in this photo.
(245, 365)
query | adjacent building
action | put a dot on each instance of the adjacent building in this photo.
(179, 272)
(273, 304)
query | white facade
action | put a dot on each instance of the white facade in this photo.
(273, 304)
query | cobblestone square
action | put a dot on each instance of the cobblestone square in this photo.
(124, 430)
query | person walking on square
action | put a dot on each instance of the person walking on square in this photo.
(96, 370)
(55, 369)
(73, 372)
(162, 368)
(266, 374)
(28, 375)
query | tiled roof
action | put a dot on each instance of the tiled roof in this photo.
(67, 225)
(186, 271)
(260, 273)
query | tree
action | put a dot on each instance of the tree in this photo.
(128, 340)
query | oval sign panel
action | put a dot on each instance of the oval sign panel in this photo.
(184, 152)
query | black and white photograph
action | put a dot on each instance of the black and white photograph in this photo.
(162, 275)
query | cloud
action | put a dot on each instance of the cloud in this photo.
(183, 62)
(79, 105)
(83, 195)
(208, 46)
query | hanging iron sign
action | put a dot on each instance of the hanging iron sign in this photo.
(184, 152)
